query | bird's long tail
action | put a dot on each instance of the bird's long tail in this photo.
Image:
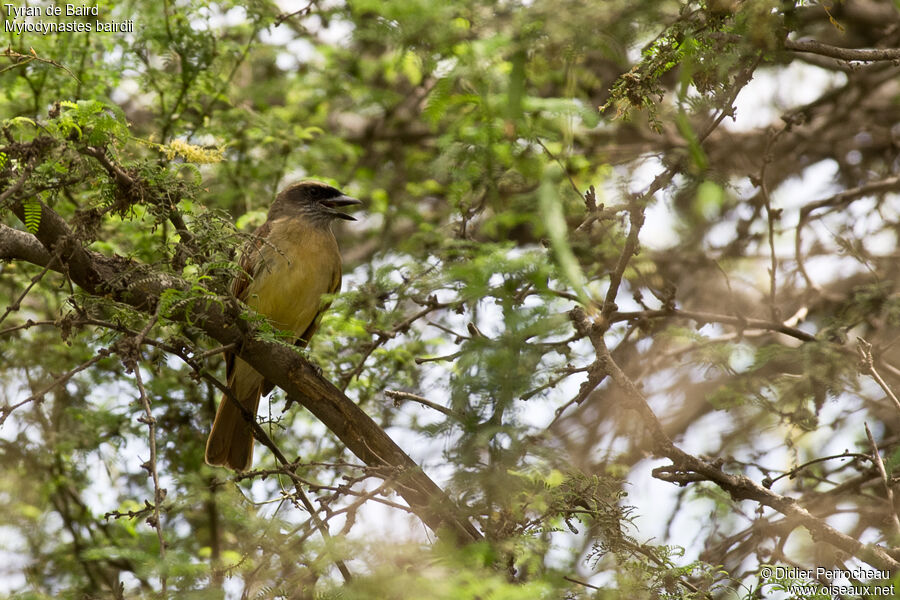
(230, 441)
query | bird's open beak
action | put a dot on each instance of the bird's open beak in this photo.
(340, 201)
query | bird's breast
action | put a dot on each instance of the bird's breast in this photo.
(298, 265)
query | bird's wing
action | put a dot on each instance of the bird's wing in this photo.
(249, 263)
(311, 330)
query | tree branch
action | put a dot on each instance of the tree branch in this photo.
(21, 245)
(864, 54)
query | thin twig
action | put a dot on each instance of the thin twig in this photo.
(770, 221)
(397, 396)
(423, 360)
(131, 360)
(14, 188)
(744, 323)
(840, 200)
(445, 329)
(430, 305)
(566, 372)
(561, 166)
(579, 582)
(302, 13)
(26, 325)
(214, 351)
(867, 362)
(889, 492)
(815, 461)
(15, 305)
(24, 59)
(7, 410)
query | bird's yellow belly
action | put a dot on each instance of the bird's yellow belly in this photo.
(288, 293)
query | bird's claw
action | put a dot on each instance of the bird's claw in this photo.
(316, 368)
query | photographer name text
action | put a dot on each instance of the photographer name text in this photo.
(791, 580)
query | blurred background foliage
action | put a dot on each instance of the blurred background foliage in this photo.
(507, 154)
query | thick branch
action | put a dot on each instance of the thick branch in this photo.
(20, 245)
(864, 54)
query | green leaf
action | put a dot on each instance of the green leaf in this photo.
(32, 214)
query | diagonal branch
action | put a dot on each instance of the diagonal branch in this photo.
(132, 283)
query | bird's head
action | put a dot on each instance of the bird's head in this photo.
(316, 200)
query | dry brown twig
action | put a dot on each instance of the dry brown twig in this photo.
(21, 60)
(867, 365)
(131, 358)
(886, 482)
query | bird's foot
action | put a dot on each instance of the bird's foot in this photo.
(316, 368)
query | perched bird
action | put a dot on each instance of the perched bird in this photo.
(291, 261)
